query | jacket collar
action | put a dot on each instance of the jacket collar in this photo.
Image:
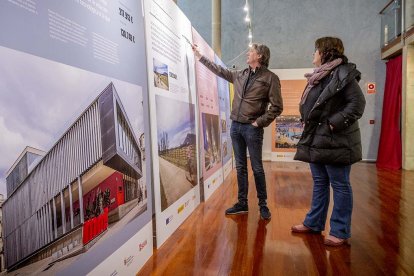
(342, 75)
(257, 70)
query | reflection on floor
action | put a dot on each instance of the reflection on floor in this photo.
(382, 243)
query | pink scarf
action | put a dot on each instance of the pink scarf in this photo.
(318, 74)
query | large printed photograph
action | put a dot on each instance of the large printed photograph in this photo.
(176, 148)
(211, 135)
(288, 131)
(73, 156)
(160, 75)
(225, 153)
(224, 100)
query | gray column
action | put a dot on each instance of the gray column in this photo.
(54, 217)
(82, 219)
(70, 205)
(42, 235)
(44, 224)
(216, 26)
(62, 207)
(50, 222)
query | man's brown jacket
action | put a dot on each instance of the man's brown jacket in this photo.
(256, 99)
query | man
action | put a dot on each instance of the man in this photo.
(257, 102)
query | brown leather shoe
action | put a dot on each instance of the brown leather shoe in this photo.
(334, 241)
(302, 229)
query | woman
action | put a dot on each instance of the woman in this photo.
(330, 108)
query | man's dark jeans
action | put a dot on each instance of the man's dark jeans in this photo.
(247, 136)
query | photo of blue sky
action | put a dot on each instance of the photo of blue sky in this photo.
(177, 125)
(37, 111)
(160, 67)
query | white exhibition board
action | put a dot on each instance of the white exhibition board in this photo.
(173, 115)
(210, 126)
(130, 256)
(56, 58)
(225, 122)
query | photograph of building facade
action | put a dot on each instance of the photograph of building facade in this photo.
(93, 170)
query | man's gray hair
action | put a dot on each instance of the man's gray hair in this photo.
(264, 51)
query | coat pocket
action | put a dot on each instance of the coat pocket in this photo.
(326, 138)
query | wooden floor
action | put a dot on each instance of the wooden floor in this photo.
(209, 243)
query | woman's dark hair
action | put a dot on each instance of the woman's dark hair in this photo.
(264, 51)
(330, 48)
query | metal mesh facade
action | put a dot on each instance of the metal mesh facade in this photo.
(31, 214)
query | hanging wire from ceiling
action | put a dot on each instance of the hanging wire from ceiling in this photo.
(248, 20)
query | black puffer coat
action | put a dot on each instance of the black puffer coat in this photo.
(341, 104)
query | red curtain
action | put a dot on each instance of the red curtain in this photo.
(390, 148)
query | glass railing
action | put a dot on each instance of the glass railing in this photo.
(409, 14)
(390, 22)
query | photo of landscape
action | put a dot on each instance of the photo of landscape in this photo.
(160, 75)
(176, 149)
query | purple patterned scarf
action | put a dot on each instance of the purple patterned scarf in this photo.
(318, 74)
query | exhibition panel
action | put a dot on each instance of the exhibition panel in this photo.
(225, 122)
(173, 109)
(208, 103)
